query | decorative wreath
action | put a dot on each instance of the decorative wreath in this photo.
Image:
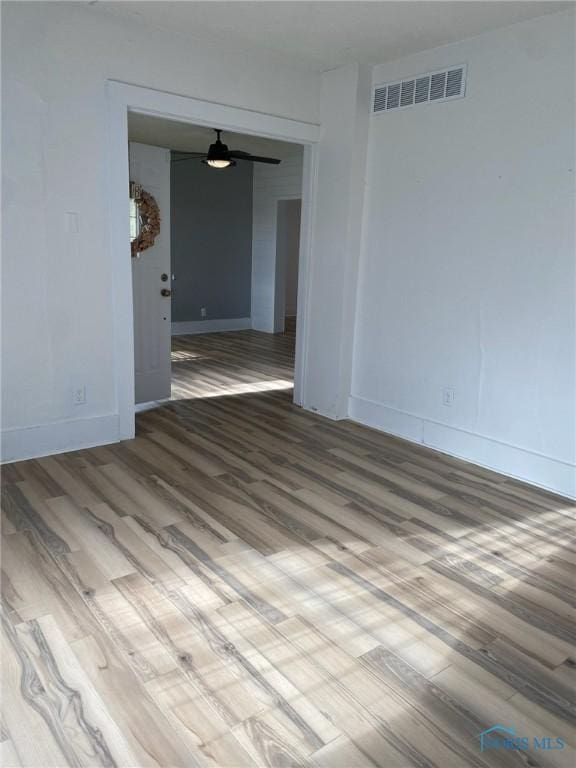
(149, 222)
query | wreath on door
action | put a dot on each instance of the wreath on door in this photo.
(148, 220)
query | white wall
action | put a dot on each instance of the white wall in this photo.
(467, 253)
(336, 239)
(58, 298)
(467, 274)
(271, 184)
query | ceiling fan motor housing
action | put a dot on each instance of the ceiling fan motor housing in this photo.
(218, 150)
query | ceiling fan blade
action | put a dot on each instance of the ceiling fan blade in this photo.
(189, 156)
(252, 158)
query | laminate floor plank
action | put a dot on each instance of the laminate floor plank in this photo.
(249, 584)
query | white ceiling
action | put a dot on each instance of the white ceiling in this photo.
(194, 138)
(324, 35)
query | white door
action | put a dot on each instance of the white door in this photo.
(150, 167)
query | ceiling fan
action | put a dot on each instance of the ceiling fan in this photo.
(219, 156)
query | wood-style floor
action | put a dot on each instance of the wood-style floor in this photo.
(248, 584)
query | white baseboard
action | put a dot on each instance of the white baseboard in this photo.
(531, 467)
(211, 326)
(60, 437)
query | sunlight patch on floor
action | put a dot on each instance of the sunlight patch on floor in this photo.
(234, 389)
(178, 355)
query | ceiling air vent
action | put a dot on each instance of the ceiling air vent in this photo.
(380, 99)
(454, 82)
(437, 86)
(422, 89)
(432, 86)
(407, 95)
(393, 99)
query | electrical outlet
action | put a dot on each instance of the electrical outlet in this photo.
(448, 395)
(79, 395)
(202, 312)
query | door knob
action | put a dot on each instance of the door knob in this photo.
(166, 292)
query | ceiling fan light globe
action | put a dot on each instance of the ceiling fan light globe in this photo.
(218, 163)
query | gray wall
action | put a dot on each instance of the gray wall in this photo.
(211, 226)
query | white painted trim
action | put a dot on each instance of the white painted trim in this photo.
(171, 106)
(211, 326)
(307, 219)
(123, 97)
(121, 262)
(529, 466)
(60, 437)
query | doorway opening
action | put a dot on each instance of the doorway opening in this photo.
(215, 296)
(124, 98)
(288, 218)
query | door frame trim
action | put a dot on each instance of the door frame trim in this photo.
(122, 98)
